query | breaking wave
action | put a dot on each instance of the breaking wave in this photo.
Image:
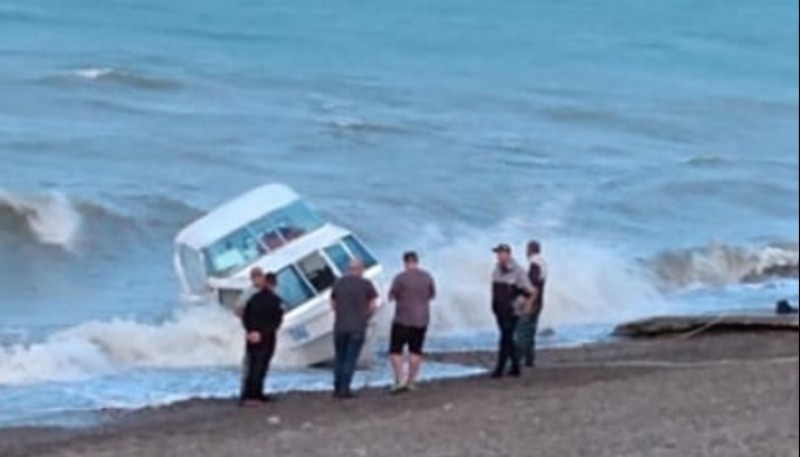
(355, 125)
(719, 265)
(202, 336)
(53, 219)
(50, 219)
(708, 160)
(589, 284)
(115, 76)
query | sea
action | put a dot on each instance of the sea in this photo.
(651, 146)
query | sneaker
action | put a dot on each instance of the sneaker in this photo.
(398, 389)
(412, 387)
(515, 372)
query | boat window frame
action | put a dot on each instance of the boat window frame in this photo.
(328, 263)
(340, 243)
(188, 278)
(374, 260)
(298, 271)
(309, 287)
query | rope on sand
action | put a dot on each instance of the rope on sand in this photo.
(678, 365)
(719, 319)
(708, 326)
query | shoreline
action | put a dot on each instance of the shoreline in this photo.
(730, 366)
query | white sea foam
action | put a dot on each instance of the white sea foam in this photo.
(199, 336)
(588, 283)
(94, 73)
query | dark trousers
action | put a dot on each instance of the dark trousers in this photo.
(507, 352)
(348, 347)
(257, 360)
(527, 328)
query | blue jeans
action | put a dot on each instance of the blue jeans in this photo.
(348, 350)
(525, 336)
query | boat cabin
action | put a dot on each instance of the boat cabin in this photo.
(273, 228)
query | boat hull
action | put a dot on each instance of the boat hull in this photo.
(306, 338)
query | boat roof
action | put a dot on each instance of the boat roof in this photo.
(234, 214)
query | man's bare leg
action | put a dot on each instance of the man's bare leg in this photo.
(397, 366)
(414, 366)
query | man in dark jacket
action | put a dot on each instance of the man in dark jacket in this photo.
(262, 318)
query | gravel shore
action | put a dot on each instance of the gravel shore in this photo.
(727, 395)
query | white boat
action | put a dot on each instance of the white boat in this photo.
(272, 227)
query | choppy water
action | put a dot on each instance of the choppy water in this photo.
(651, 145)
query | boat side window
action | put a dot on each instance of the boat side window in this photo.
(360, 252)
(340, 257)
(292, 289)
(317, 271)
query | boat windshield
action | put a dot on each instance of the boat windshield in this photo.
(264, 235)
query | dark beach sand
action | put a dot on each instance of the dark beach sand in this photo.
(725, 395)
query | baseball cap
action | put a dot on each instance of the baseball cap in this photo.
(502, 248)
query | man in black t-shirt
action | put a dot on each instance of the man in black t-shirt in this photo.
(262, 318)
(528, 325)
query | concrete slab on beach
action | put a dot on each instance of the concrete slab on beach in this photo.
(694, 325)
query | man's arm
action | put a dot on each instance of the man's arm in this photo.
(393, 291)
(247, 317)
(373, 299)
(535, 277)
(249, 322)
(278, 313)
(333, 298)
(528, 290)
(433, 288)
(241, 302)
(535, 273)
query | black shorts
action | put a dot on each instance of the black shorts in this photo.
(403, 335)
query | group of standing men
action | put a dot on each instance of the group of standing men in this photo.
(517, 302)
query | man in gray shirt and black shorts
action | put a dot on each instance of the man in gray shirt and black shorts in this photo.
(412, 291)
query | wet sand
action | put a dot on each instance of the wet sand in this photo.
(726, 395)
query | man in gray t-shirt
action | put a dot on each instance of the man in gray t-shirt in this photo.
(412, 291)
(354, 301)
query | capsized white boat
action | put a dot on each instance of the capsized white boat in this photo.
(272, 227)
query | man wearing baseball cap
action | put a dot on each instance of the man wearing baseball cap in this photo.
(512, 294)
